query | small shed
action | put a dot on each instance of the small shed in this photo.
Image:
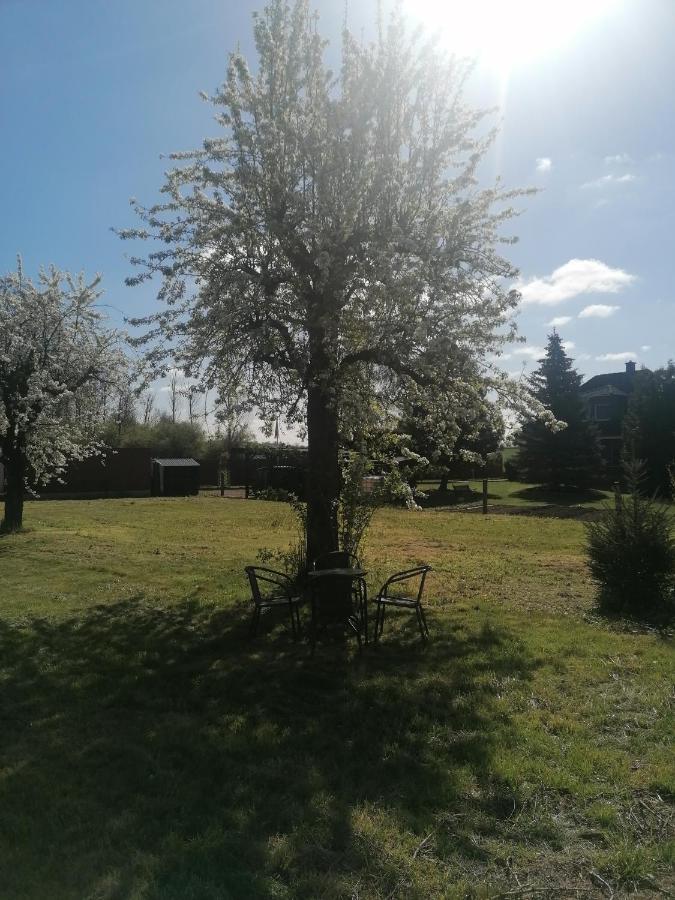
(175, 477)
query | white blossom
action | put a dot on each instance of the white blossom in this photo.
(334, 240)
(57, 359)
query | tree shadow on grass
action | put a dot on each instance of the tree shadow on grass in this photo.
(571, 497)
(435, 498)
(154, 751)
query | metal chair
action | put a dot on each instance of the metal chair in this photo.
(337, 559)
(412, 601)
(280, 595)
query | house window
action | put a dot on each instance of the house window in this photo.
(602, 410)
(613, 452)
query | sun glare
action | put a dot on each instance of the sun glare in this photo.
(507, 33)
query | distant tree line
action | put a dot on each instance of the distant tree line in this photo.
(649, 428)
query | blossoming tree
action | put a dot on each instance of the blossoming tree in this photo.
(56, 359)
(331, 246)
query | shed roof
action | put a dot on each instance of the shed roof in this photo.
(174, 463)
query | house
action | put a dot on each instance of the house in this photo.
(606, 398)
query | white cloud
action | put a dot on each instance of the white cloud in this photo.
(544, 164)
(598, 311)
(559, 320)
(578, 276)
(609, 180)
(619, 159)
(646, 347)
(568, 345)
(520, 350)
(617, 357)
(532, 352)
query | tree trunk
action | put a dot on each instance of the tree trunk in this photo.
(323, 473)
(443, 485)
(323, 463)
(15, 486)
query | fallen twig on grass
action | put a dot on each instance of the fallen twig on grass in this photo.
(422, 844)
(598, 879)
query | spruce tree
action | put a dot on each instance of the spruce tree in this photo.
(631, 550)
(570, 457)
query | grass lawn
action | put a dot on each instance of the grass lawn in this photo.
(148, 750)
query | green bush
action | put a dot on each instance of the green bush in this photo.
(292, 561)
(632, 553)
(276, 494)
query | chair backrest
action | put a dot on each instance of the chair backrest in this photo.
(258, 575)
(419, 572)
(337, 559)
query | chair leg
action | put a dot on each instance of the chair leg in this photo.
(420, 621)
(424, 619)
(253, 627)
(376, 626)
(379, 620)
(364, 614)
(312, 630)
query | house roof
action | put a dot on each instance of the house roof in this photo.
(176, 462)
(622, 381)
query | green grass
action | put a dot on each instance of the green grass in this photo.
(148, 750)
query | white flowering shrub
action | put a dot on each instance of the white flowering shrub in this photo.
(57, 360)
(330, 248)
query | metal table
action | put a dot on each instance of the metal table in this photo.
(350, 575)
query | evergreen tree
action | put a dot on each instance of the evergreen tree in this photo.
(569, 457)
(631, 552)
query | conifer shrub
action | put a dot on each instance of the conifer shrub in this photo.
(632, 553)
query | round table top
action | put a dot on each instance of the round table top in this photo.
(344, 573)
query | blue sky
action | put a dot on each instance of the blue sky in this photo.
(94, 92)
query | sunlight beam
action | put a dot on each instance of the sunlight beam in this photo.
(507, 33)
